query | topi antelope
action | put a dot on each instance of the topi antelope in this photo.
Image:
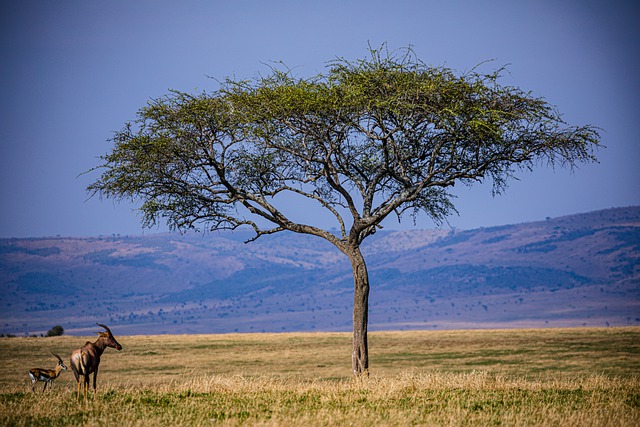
(46, 375)
(86, 360)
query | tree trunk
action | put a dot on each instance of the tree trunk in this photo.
(360, 355)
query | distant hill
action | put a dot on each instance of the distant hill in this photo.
(569, 271)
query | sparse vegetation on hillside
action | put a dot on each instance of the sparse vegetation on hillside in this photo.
(571, 271)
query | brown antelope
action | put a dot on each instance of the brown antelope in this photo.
(86, 360)
(46, 375)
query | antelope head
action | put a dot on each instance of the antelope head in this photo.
(108, 337)
(60, 363)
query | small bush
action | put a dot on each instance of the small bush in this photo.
(56, 331)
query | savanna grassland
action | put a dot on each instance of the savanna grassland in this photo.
(546, 377)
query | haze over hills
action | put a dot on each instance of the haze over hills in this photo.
(570, 271)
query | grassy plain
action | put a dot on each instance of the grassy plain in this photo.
(546, 377)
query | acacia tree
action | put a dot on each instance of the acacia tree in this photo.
(380, 136)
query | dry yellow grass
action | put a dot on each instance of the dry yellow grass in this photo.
(581, 377)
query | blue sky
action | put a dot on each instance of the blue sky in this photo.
(73, 72)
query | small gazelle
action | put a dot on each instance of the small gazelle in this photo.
(46, 375)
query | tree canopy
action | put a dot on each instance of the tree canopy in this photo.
(366, 139)
(382, 135)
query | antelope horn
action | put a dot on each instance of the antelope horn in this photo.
(105, 327)
(56, 356)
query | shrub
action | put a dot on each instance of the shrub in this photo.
(56, 331)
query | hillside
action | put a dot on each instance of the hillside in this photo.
(575, 270)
